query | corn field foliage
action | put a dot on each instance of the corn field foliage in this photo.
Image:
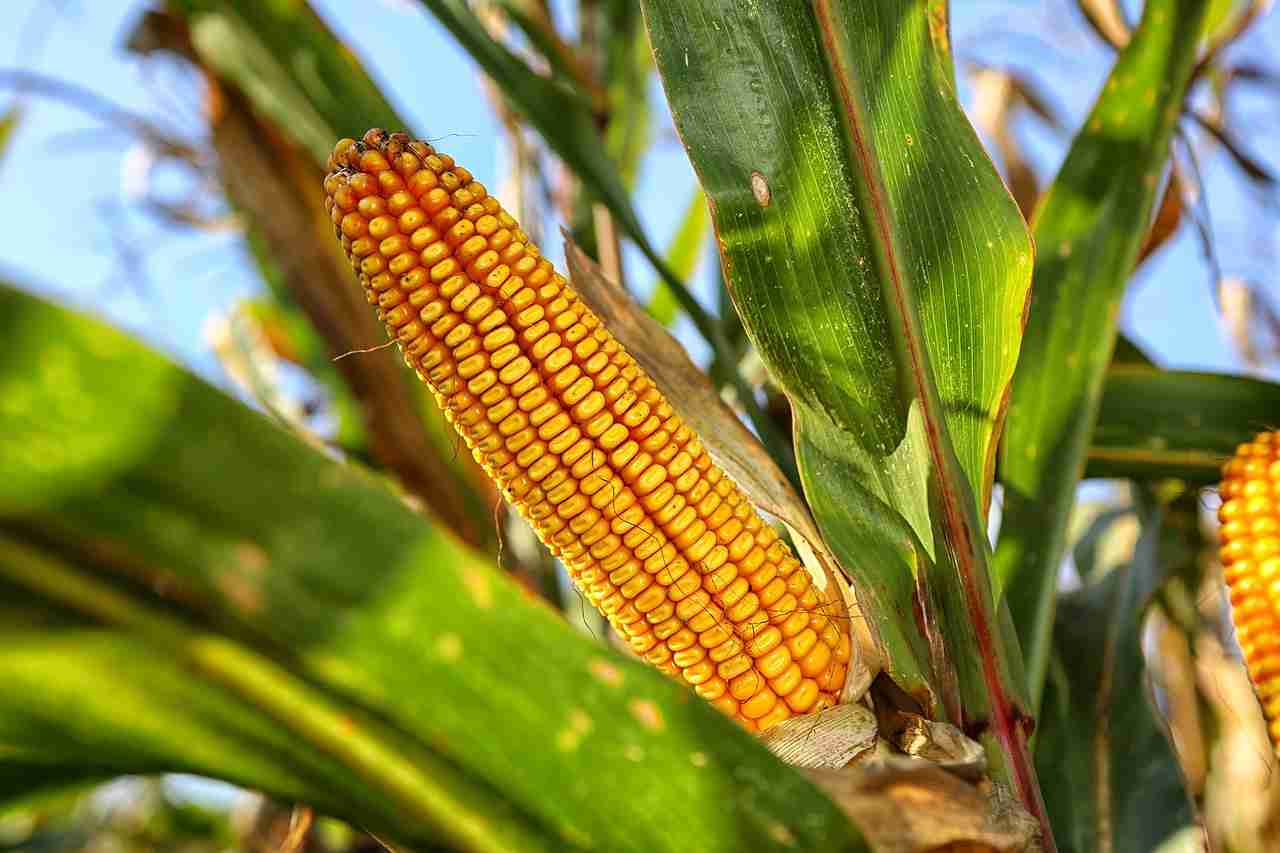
(326, 603)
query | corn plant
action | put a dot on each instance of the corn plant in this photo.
(809, 640)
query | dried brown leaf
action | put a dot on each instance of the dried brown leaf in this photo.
(1252, 322)
(280, 193)
(300, 822)
(1168, 217)
(944, 745)
(1107, 19)
(924, 808)
(1029, 95)
(915, 737)
(245, 351)
(1172, 671)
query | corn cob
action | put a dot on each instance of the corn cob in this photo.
(1250, 516)
(580, 439)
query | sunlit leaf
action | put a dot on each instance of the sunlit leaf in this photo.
(881, 270)
(1089, 229)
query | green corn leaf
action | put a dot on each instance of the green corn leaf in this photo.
(1155, 424)
(243, 607)
(868, 242)
(1088, 230)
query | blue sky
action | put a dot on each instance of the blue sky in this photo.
(73, 232)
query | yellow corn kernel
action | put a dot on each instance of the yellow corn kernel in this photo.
(580, 440)
(1250, 533)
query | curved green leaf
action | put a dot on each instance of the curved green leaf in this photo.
(139, 712)
(1155, 424)
(291, 66)
(868, 241)
(1089, 229)
(304, 631)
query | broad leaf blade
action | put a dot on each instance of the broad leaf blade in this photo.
(302, 589)
(1089, 229)
(139, 712)
(1155, 424)
(864, 236)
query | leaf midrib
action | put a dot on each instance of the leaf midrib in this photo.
(956, 527)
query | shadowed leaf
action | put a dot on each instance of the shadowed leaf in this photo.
(1156, 424)
(1109, 773)
(935, 810)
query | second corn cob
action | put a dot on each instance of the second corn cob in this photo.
(580, 440)
(1250, 515)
